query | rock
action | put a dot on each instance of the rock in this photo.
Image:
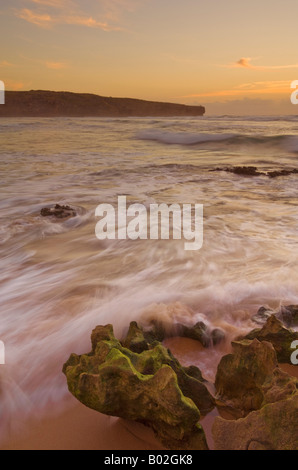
(262, 315)
(288, 314)
(276, 173)
(241, 170)
(60, 212)
(135, 340)
(198, 332)
(280, 337)
(217, 336)
(240, 375)
(150, 387)
(274, 427)
(253, 171)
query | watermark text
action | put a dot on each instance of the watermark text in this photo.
(294, 95)
(2, 353)
(136, 222)
(294, 355)
(2, 92)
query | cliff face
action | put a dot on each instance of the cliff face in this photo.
(49, 104)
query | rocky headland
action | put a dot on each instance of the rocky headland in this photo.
(39, 103)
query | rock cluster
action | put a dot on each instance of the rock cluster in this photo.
(137, 378)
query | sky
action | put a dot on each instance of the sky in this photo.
(232, 56)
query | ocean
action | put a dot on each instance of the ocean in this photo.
(58, 281)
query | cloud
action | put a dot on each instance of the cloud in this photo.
(272, 87)
(14, 85)
(56, 65)
(107, 13)
(4, 63)
(42, 20)
(245, 62)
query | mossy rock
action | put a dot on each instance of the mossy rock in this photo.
(278, 335)
(249, 378)
(150, 387)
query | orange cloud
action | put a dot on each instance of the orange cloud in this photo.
(13, 85)
(42, 20)
(245, 62)
(51, 12)
(245, 89)
(56, 65)
(4, 63)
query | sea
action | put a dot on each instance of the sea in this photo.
(58, 280)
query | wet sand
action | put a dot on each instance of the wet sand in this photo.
(80, 428)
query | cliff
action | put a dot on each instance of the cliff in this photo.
(50, 103)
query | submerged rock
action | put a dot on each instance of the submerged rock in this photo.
(274, 427)
(60, 212)
(149, 386)
(288, 314)
(249, 378)
(199, 332)
(278, 335)
(253, 171)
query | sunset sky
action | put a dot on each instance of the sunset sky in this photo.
(232, 56)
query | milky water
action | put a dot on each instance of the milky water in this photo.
(58, 281)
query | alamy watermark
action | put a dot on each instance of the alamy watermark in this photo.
(2, 353)
(136, 222)
(294, 95)
(294, 355)
(2, 92)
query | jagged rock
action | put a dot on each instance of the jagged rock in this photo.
(280, 337)
(274, 427)
(249, 378)
(150, 387)
(60, 212)
(135, 340)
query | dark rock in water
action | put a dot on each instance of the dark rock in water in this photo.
(278, 335)
(245, 171)
(288, 314)
(241, 170)
(253, 171)
(217, 336)
(249, 378)
(150, 387)
(198, 332)
(262, 315)
(273, 427)
(275, 174)
(60, 212)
